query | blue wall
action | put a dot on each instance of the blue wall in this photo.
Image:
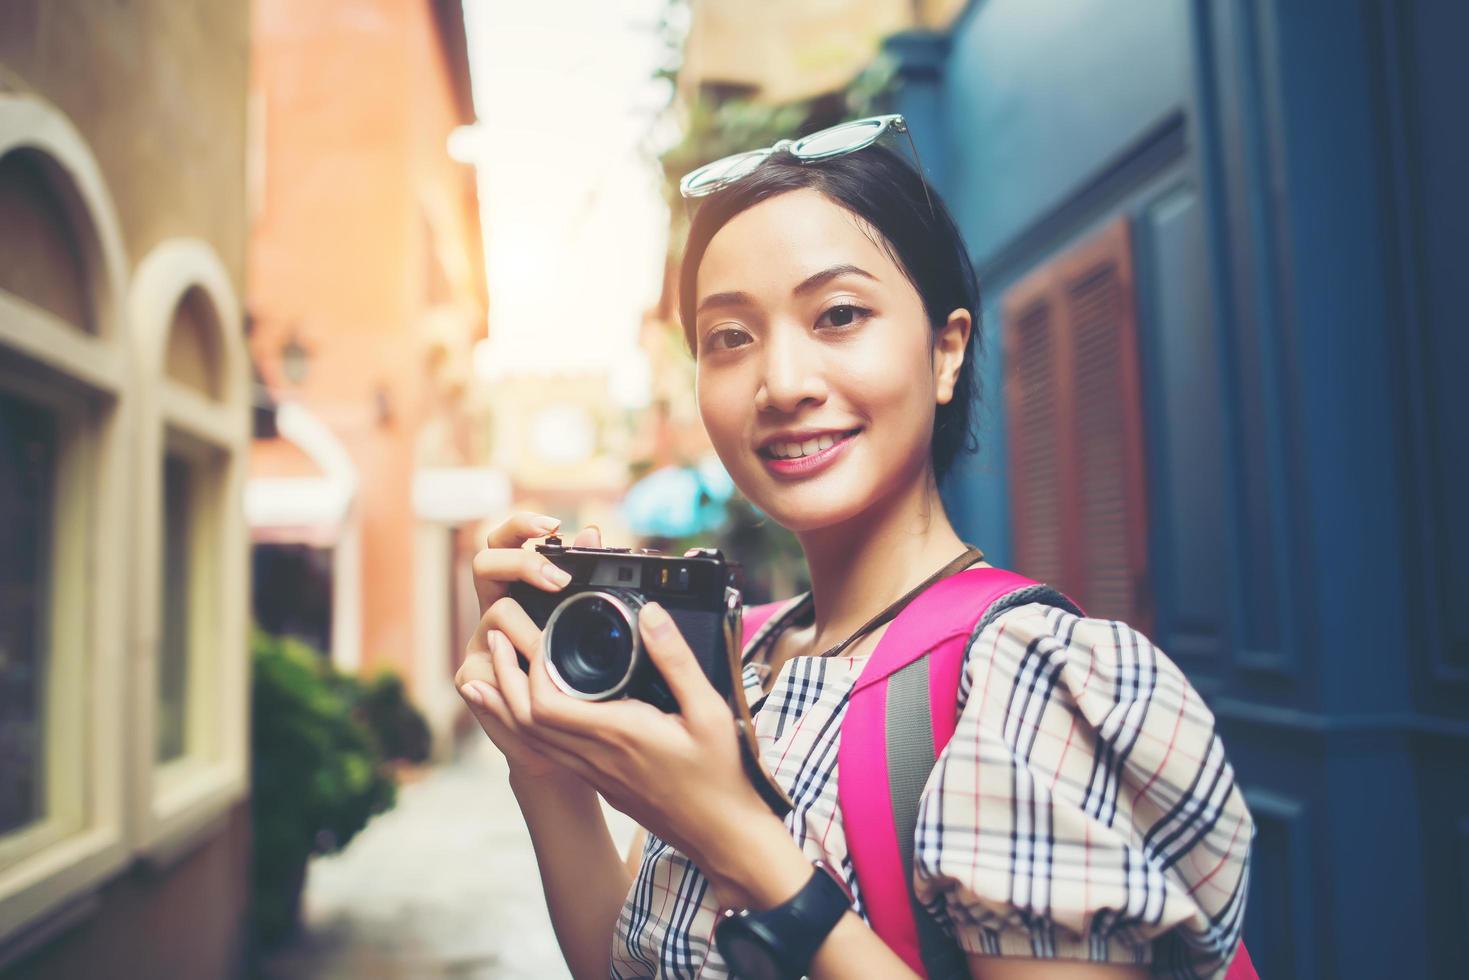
(1293, 174)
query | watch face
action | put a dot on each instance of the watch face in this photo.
(748, 958)
(778, 943)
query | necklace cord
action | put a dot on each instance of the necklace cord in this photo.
(969, 557)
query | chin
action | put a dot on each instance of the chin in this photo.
(803, 509)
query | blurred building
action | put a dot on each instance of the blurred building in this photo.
(124, 426)
(366, 298)
(1222, 392)
(767, 54)
(560, 439)
(784, 52)
(1222, 368)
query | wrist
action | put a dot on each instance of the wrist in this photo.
(756, 864)
(784, 940)
(530, 787)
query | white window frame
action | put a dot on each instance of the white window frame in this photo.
(90, 382)
(178, 803)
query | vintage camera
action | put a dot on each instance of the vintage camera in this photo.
(590, 635)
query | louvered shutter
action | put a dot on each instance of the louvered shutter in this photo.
(1034, 411)
(1074, 420)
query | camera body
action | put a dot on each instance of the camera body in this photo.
(592, 645)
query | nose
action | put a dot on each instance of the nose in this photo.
(791, 372)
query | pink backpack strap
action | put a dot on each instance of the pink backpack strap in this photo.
(1241, 967)
(902, 713)
(918, 660)
(755, 618)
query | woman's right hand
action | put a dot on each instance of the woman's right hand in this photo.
(503, 561)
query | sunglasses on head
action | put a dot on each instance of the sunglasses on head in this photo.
(847, 137)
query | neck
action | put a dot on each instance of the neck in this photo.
(861, 566)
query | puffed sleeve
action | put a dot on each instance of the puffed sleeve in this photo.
(1084, 808)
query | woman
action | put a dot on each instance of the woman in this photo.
(830, 306)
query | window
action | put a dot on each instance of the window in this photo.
(1074, 422)
(65, 416)
(291, 591)
(28, 450)
(173, 648)
(43, 478)
(190, 685)
(188, 611)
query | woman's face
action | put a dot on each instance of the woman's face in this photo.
(808, 336)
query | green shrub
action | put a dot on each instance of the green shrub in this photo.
(382, 705)
(319, 767)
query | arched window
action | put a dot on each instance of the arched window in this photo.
(189, 686)
(66, 398)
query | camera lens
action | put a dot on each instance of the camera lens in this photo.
(591, 644)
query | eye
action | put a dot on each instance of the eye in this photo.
(844, 315)
(731, 337)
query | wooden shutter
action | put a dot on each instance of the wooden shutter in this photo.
(1074, 421)
(1033, 414)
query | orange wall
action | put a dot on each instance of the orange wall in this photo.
(359, 196)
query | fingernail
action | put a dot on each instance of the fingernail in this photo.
(654, 615)
(471, 691)
(554, 575)
(546, 524)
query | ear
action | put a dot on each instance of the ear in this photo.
(948, 354)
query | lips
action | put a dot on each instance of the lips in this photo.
(801, 467)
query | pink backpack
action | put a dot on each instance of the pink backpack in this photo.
(903, 711)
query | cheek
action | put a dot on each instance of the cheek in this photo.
(890, 381)
(721, 408)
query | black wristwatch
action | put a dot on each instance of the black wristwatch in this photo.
(779, 943)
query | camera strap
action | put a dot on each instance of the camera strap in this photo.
(765, 784)
(969, 557)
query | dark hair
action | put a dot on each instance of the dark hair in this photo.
(881, 189)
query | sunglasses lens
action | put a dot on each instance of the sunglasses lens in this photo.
(839, 139)
(713, 175)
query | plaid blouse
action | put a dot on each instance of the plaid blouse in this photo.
(1083, 810)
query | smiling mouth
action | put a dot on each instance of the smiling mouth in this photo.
(792, 450)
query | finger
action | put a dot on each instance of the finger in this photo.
(476, 663)
(554, 709)
(510, 677)
(489, 708)
(519, 528)
(549, 705)
(494, 704)
(495, 568)
(511, 681)
(490, 571)
(510, 618)
(697, 700)
(588, 537)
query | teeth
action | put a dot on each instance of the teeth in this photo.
(795, 450)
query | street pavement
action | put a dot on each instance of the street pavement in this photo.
(444, 885)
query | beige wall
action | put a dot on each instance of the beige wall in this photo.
(157, 91)
(185, 923)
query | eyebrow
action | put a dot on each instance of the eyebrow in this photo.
(809, 284)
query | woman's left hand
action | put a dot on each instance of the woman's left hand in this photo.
(678, 775)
